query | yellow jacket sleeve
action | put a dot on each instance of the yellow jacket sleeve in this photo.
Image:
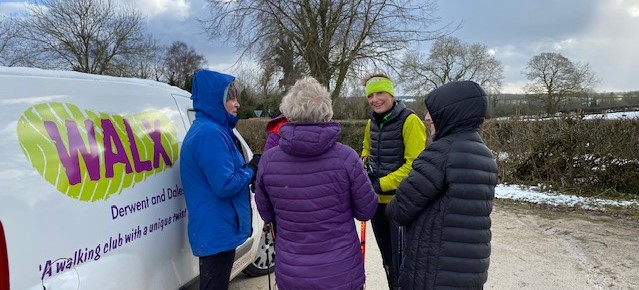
(366, 144)
(414, 135)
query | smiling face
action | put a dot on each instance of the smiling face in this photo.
(380, 102)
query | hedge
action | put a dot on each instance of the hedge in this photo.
(570, 154)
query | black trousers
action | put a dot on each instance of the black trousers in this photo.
(387, 241)
(215, 270)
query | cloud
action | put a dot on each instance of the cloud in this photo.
(565, 44)
(173, 9)
(631, 7)
(513, 87)
(501, 22)
(12, 7)
(220, 56)
(602, 33)
(611, 45)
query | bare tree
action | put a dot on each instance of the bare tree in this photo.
(92, 36)
(181, 62)
(281, 57)
(5, 37)
(553, 78)
(149, 64)
(15, 50)
(8, 39)
(331, 36)
(450, 60)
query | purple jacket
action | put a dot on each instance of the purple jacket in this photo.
(312, 187)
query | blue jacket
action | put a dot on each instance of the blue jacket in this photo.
(213, 171)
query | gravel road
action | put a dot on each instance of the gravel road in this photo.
(536, 247)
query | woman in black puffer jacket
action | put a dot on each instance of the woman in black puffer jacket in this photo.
(446, 200)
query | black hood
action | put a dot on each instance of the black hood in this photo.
(457, 106)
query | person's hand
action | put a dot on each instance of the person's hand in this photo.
(370, 170)
(255, 161)
(376, 186)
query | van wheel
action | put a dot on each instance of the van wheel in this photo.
(260, 267)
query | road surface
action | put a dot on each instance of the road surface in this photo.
(537, 248)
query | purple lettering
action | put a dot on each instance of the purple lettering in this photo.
(158, 149)
(140, 165)
(69, 158)
(111, 157)
(60, 265)
(114, 212)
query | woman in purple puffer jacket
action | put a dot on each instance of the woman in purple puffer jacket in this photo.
(312, 187)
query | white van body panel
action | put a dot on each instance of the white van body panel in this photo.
(91, 235)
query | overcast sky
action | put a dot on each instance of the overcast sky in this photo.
(603, 33)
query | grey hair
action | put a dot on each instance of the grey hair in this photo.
(307, 101)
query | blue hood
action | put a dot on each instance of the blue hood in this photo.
(208, 91)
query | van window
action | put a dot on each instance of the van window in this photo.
(191, 114)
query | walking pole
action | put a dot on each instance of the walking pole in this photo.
(400, 239)
(362, 243)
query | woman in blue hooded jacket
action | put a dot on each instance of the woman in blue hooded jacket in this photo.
(215, 179)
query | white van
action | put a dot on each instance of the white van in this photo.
(90, 192)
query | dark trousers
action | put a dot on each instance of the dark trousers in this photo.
(387, 241)
(215, 270)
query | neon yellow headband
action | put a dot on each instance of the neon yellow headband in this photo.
(379, 84)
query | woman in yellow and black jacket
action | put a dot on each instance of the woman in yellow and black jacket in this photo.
(393, 138)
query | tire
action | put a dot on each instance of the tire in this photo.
(260, 267)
